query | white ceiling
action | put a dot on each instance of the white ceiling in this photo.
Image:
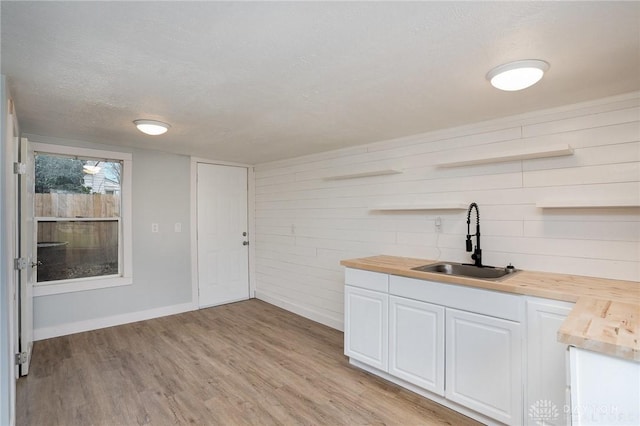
(259, 81)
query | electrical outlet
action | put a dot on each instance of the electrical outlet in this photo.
(438, 224)
(155, 227)
(177, 227)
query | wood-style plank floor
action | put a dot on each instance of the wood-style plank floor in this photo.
(239, 364)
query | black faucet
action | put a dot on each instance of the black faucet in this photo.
(477, 253)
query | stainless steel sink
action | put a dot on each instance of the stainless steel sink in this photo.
(489, 273)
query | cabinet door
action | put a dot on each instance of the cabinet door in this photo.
(546, 363)
(484, 365)
(416, 343)
(366, 326)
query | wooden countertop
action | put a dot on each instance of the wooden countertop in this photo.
(603, 326)
(606, 317)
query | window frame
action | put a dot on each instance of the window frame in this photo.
(125, 232)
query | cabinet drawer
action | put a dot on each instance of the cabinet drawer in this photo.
(486, 302)
(366, 279)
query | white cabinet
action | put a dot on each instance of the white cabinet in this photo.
(416, 343)
(366, 326)
(605, 390)
(457, 345)
(547, 384)
(484, 364)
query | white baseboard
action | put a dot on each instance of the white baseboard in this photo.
(97, 323)
(338, 324)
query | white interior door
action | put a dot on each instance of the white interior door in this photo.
(9, 151)
(223, 251)
(27, 243)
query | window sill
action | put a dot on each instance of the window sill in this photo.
(80, 285)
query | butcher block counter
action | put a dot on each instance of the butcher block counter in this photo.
(605, 318)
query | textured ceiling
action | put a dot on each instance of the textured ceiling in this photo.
(253, 82)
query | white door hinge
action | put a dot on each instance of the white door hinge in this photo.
(20, 263)
(19, 168)
(21, 358)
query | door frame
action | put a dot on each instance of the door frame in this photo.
(251, 224)
(26, 250)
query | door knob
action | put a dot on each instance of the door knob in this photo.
(245, 243)
(36, 264)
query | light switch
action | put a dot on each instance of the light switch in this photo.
(177, 227)
(155, 227)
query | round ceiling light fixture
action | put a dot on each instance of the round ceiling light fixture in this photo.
(517, 75)
(152, 127)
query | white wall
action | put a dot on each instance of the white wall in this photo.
(307, 224)
(161, 261)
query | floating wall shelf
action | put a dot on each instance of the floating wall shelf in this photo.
(582, 204)
(514, 155)
(364, 174)
(408, 207)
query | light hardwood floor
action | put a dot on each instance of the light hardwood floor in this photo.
(243, 363)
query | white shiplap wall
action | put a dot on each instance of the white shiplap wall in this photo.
(305, 223)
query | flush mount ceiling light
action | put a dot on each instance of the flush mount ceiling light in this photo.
(151, 127)
(517, 75)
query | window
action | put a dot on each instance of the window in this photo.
(82, 214)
